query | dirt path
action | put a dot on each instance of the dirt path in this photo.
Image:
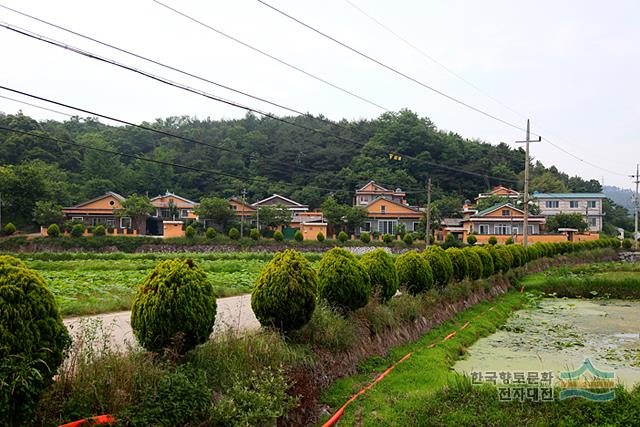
(233, 313)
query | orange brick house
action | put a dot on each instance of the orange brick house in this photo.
(99, 211)
(385, 216)
(172, 207)
(244, 211)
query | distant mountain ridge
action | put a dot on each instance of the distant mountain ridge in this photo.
(621, 196)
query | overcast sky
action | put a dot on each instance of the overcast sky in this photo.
(571, 66)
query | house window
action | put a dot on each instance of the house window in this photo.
(552, 204)
(502, 230)
(592, 204)
(383, 208)
(532, 229)
(573, 204)
(506, 212)
(184, 213)
(387, 226)
(515, 230)
(483, 229)
(363, 199)
(77, 219)
(416, 226)
(593, 222)
(125, 222)
(366, 226)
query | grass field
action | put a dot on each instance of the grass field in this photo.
(90, 285)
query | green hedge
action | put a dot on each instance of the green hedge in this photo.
(460, 264)
(414, 272)
(474, 263)
(440, 264)
(343, 281)
(382, 273)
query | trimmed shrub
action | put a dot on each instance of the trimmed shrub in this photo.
(474, 264)
(472, 239)
(387, 238)
(9, 229)
(234, 234)
(190, 232)
(285, 292)
(440, 264)
(77, 230)
(365, 237)
(375, 235)
(408, 239)
(520, 254)
(414, 272)
(174, 306)
(298, 236)
(382, 273)
(493, 240)
(451, 242)
(343, 237)
(99, 231)
(459, 261)
(509, 241)
(33, 340)
(210, 233)
(278, 236)
(254, 234)
(343, 281)
(507, 257)
(53, 230)
(320, 236)
(487, 261)
(627, 244)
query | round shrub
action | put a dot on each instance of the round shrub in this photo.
(382, 273)
(507, 258)
(175, 299)
(298, 236)
(210, 233)
(375, 235)
(99, 231)
(254, 234)
(509, 241)
(493, 241)
(285, 292)
(440, 264)
(9, 229)
(474, 264)
(487, 261)
(278, 236)
(234, 234)
(500, 264)
(614, 243)
(522, 254)
(53, 230)
(190, 232)
(342, 280)
(408, 239)
(459, 261)
(320, 236)
(472, 239)
(343, 237)
(414, 272)
(627, 244)
(387, 238)
(77, 230)
(365, 237)
(33, 340)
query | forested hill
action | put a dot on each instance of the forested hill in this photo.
(271, 156)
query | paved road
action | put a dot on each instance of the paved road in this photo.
(233, 313)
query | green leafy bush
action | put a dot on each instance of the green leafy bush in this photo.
(99, 231)
(175, 302)
(234, 234)
(254, 234)
(33, 340)
(500, 263)
(210, 233)
(365, 237)
(382, 273)
(627, 244)
(298, 236)
(190, 232)
(387, 238)
(440, 264)
(77, 230)
(343, 282)
(507, 257)
(493, 240)
(343, 237)
(487, 261)
(474, 263)
(460, 264)
(285, 292)
(278, 236)
(53, 230)
(408, 239)
(414, 272)
(9, 229)
(320, 236)
(472, 239)
(519, 255)
(509, 241)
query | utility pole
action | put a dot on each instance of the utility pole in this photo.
(525, 225)
(637, 207)
(427, 232)
(0, 211)
(244, 196)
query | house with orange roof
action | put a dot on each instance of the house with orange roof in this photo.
(100, 210)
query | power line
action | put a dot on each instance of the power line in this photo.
(268, 55)
(35, 106)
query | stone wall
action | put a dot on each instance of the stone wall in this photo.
(629, 256)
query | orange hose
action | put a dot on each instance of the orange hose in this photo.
(94, 421)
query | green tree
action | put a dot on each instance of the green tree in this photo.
(563, 220)
(138, 208)
(274, 216)
(47, 212)
(215, 209)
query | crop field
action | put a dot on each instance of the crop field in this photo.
(92, 284)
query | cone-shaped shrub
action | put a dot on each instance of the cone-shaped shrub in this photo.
(175, 299)
(210, 233)
(507, 258)
(285, 292)
(298, 236)
(493, 241)
(254, 234)
(343, 282)
(53, 230)
(472, 239)
(519, 255)
(440, 264)
(343, 237)
(387, 238)
(320, 237)
(474, 263)
(234, 234)
(487, 261)
(77, 230)
(190, 232)
(459, 261)
(278, 236)
(365, 237)
(33, 340)
(382, 273)
(414, 272)
(499, 262)
(408, 239)
(99, 231)
(9, 229)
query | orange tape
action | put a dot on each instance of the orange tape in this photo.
(464, 326)
(94, 421)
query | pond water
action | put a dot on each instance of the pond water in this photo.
(558, 336)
